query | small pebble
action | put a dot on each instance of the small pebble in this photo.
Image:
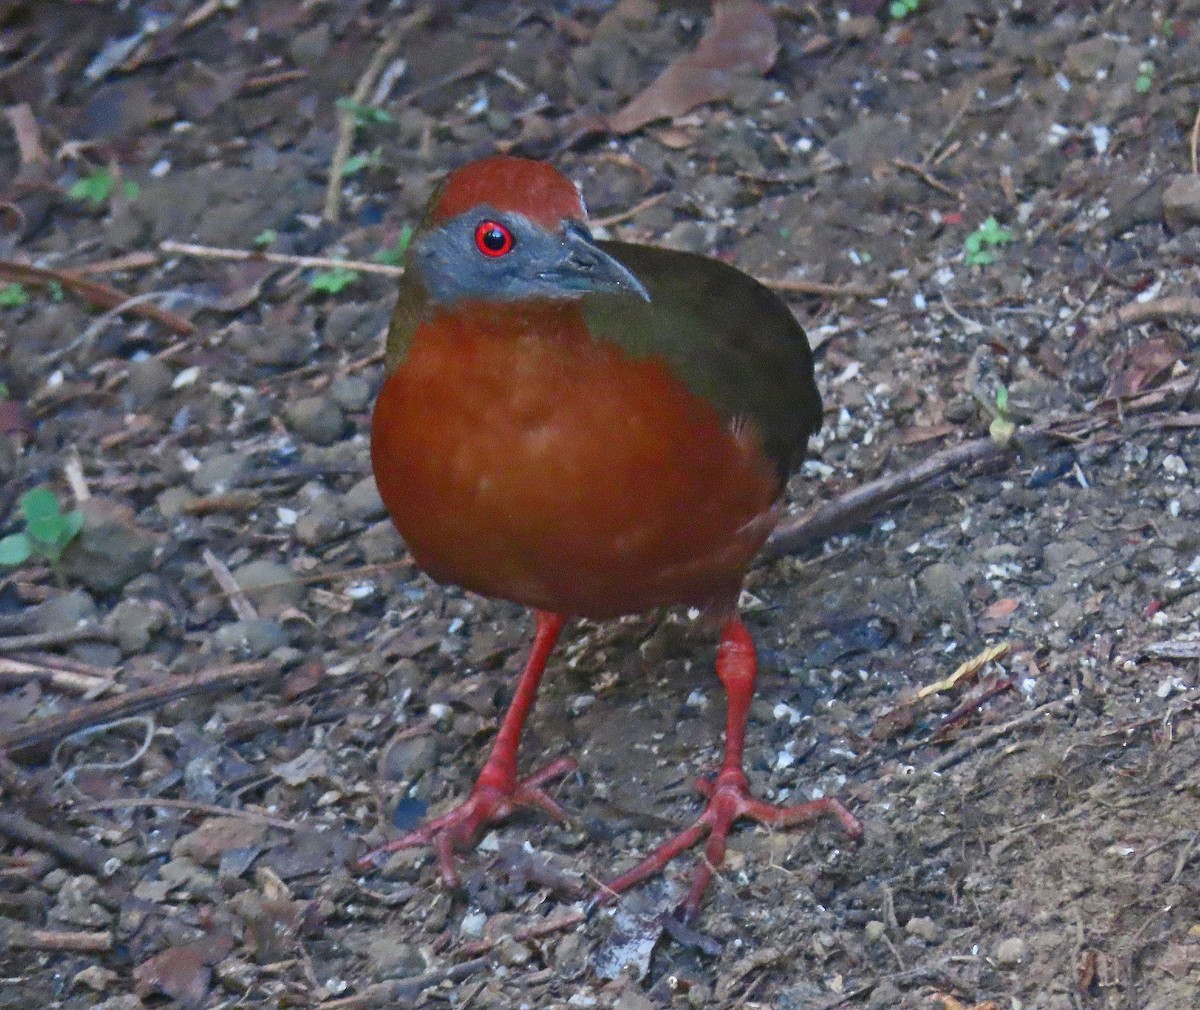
(1011, 951)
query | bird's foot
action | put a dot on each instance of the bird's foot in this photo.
(729, 800)
(495, 796)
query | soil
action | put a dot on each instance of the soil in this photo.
(1032, 830)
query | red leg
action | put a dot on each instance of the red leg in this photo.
(729, 796)
(498, 791)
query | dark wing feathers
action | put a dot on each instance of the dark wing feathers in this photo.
(729, 338)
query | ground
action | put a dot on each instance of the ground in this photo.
(238, 628)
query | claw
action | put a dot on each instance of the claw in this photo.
(729, 800)
(459, 828)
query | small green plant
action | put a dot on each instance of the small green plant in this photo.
(333, 282)
(365, 115)
(900, 9)
(13, 296)
(980, 243)
(357, 162)
(1145, 77)
(48, 529)
(1002, 427)
(394, 256)
(266, 237)
(98, 187)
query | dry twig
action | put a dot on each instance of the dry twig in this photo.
(1168, 307)
(49, 639)
(55, 727)
(821, 289)
(58, 940)
(347, 124)
(927, 177)
(82, 855)
(305, 262)
(238, 600)
(101, 295)
(846, 512)
(401, 991)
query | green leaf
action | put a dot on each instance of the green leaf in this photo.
(45, 530)
(15, 550)
(356, 164)
(364, 114)
(39, 503)
(56, 292)
(13, 296)
(395, 255)
(1002, 400)
(266, 237)
(94, 189)
(333, 282)
(72, 525)
(131, 189)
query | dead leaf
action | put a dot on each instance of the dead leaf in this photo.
(217, 836)
(968, 669)
(1146, 364)
(1001, 608)
(182, 972)
(740, 37)
(307, 766)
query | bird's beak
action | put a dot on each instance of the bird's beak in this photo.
(587, 267)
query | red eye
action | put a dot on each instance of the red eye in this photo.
(493, 239)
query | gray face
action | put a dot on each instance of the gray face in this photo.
(515, 259)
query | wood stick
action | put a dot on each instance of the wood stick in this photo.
(73, 941)
(846, 512)
(822, 289)
(80, 854)
(1167, 307)
(101, 295)
(238, 600)
(401, 991)
(17, 671)
(306, 262)
(46, 639)
(55, 727)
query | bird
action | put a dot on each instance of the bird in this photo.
(589, 428)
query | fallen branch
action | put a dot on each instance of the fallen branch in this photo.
(82, 855)
(100, 295)
(58, 940)
(49, 639)
(843, 514)
(821, 289)
(19, 671)
(284, 259)
(188, 806)
(348, 123)
(238, 600)
(54, 728)
(981, 740)
(401, 991)
(534, 932)
(927, 177)
(1168, 307)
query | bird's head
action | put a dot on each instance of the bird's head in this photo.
(506, 229)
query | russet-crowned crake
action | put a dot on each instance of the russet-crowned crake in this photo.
(588, 428)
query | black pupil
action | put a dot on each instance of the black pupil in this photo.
(494, 239)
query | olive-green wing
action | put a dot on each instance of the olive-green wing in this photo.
(729, 338)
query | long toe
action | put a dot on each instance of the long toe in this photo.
(460, 827)
(729, 800)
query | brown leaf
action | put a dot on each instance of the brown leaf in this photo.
(740, 37)
(182, 972)
(1145, 364)
(1002, 607)
(217, 836)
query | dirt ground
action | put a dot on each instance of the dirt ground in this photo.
(237, 628)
